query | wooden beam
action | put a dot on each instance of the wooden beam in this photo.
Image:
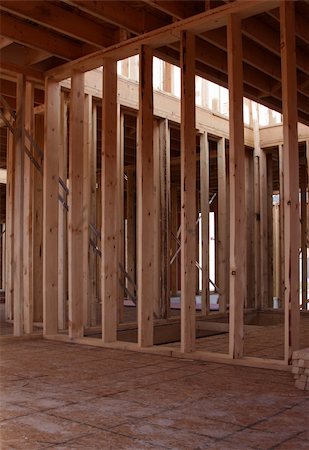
(212, 19)
(28, 216)
(75, 200)
(110, 180)
(59, 19)
(145, 201)
(188, 192)
(291, 178)
(19, 206)
(9, 230)
(123, 15)
(50, 207)
(237, 188)
(204, 169)
(304, 232)
(22, 32)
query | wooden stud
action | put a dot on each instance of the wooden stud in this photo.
(120, 220)
(270, 263)
(37, 241)
(63, 219)
(145, 206)
(87, 185)
(75, 201)
(222, 219)
(291, 178)
(264, 231)
(50, 207)
(131, 227)
(237, 187)
(28, 216)
(249, 162)
(257, 209)
(165, 192)
(93, 218)
(9, 282)
(19, 156)
(188, 192)
(157, 262)
(110, 182)
(204, 175)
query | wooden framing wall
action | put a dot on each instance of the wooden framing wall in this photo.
(157, 202)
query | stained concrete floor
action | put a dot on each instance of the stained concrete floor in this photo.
(67, 396)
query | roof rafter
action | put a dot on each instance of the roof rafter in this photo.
(59, 19)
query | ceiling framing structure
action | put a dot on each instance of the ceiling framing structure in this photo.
(51, 38)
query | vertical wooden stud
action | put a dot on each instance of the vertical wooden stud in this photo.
(165, 192)
(145, 203)
(75, 200)
(63, 218)
(188, 192)
(120, 202)
(87, 205)
(19, 156)
(204, 168)
(50, 207)
(37, 242)
(28, 216)
(9, 282)
(291, 177)
(110, 180)
(222, 219)
(237, 187)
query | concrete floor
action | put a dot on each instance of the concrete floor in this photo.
(67, 396)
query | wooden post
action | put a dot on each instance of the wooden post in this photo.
(93, 217)
(250, 303)
(131, 226)
(204, 175)
(110, 214)
(291, 178)
(165, 193)
(50, 207)
(157, 306)
(257, 209)
(120, 219)
(63, 219)
(222, 220)
(270, 263)
(37, 242)
(9, 230)
(264, 231)
(237, 188)
(87, 185)
(145, 203)
(75, 200)
(281, 225)
(188, 192)
(19, 156)
(28, 224)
